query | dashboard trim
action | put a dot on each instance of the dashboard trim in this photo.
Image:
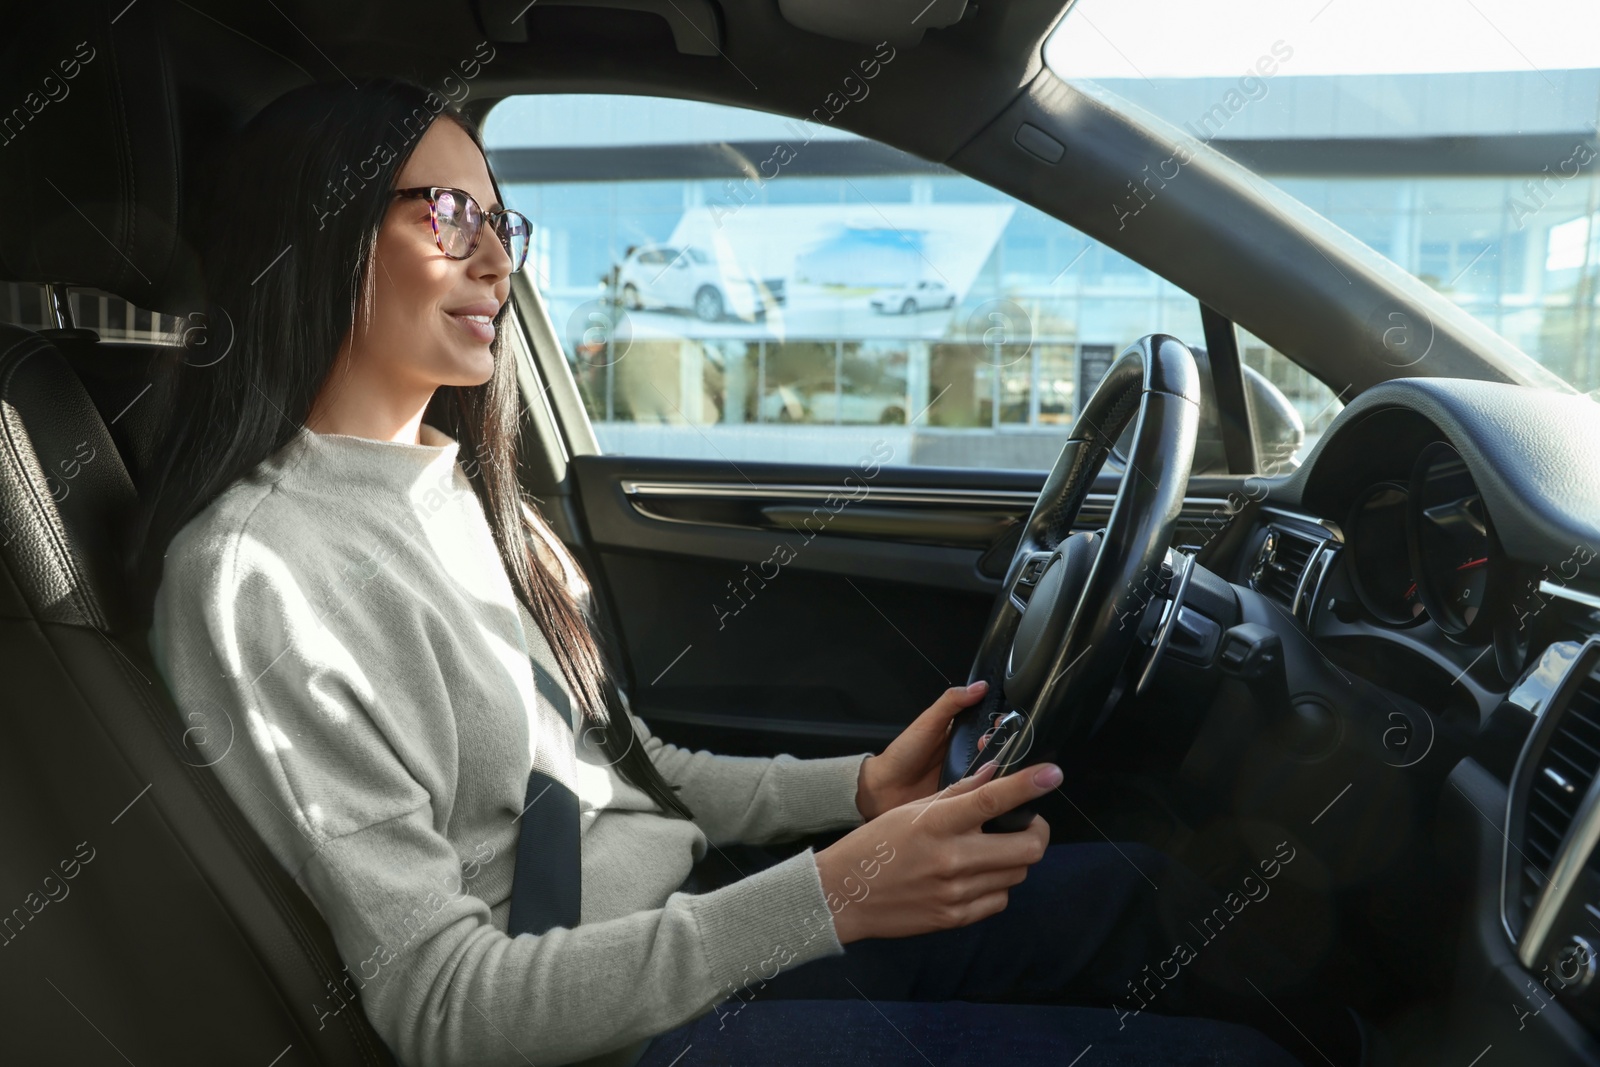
(1320, 563)
(1582, 836)
(1580, 843)
(1327, 542)
(1588, 600)
(1333, 530)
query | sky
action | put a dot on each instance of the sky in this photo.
(1208, 38)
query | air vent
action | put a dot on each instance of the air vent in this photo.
(1311, 585)
(1560, 780)
(1280, 564)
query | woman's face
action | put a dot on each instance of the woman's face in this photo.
(421, 331)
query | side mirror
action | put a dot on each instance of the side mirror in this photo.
(1278, 431)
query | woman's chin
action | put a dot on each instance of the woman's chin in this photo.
(473, 364)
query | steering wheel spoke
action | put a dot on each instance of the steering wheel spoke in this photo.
(1182, 569)
(1027, 577)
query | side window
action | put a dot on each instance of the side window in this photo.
(739, 285)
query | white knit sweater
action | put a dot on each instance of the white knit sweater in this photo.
(344, 606)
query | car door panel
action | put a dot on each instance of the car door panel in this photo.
(767, 608)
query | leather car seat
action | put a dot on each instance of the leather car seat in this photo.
(141, 918)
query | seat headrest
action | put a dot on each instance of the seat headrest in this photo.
(90, 154)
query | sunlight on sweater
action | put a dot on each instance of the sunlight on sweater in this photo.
(593, 786)
(266, 735)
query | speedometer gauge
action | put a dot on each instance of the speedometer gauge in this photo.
(1452, 542)
(1376, 541)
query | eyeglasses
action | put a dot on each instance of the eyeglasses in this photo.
(458, 223)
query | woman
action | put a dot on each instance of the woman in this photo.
(336, 555)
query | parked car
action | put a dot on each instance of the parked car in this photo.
(688, 279)
(914, 297)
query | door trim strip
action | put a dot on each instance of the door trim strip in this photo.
(897, 494)
(801, 491)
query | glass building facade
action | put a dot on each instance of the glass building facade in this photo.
(737, 284)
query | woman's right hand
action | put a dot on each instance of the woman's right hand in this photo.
(928, 865)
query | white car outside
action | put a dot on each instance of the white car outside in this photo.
(912, 298)
(662, 276)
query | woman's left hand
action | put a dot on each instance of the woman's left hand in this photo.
(909, 768)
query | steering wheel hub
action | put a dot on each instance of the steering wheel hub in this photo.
(1044, 621)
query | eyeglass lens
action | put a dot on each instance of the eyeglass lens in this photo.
(460, 218)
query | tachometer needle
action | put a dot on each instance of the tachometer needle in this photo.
(1471, 563)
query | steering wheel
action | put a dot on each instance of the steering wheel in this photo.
(1071, 605)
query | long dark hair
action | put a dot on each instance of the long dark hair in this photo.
(307, 181)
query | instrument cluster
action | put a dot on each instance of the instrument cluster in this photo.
(1424, 547)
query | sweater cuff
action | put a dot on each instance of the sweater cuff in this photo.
(820, 794)
(774, 919)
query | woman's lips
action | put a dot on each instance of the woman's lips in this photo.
(480, 330)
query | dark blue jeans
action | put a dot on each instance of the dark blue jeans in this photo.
(1085, 943)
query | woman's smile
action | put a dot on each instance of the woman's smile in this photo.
(477, 320)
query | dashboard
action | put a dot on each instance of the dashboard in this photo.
(1442, 543)
(1439, 536)
(1416, 558)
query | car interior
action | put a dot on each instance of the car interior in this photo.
(1385, 652)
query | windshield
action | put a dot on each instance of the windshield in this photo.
(1457, 138)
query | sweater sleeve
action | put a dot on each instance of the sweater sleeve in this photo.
(318, 772)
(443, 986)
(759, 799)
